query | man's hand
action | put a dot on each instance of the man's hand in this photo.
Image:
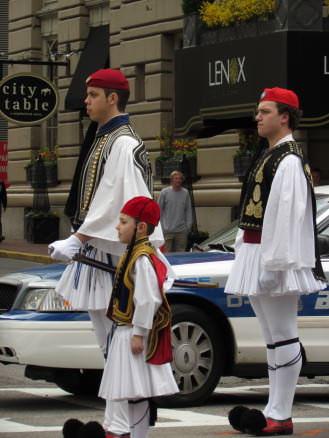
(269, 280)
(137, 344)
(65, 249)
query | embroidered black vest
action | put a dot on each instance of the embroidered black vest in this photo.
(94, 165)
(256, 189)
(121, 308)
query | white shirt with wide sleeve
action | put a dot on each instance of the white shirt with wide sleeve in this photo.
(121, 181)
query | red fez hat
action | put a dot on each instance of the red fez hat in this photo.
(281, 95)
(108, 78)
(143, 209)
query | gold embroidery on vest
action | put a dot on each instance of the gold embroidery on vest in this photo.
(92, 172)
(258, 211)
(257, 193)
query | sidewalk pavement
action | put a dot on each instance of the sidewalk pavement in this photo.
(23, 250)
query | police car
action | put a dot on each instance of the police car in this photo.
(213, 334)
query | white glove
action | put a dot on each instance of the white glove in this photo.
(269, 280)
(65, 249)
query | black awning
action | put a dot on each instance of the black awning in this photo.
(217, 87)
(94, 56)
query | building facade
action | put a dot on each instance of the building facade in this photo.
(140, 37)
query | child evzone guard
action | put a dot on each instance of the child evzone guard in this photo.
(138, 365)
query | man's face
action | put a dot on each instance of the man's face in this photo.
(176, 181)
(269, 121)
(97, 105)
(126, 228)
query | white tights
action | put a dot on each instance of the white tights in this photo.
(278, 320)
(102, 327)
(119, 414)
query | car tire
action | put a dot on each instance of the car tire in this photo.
(199, 356)
(80, 382)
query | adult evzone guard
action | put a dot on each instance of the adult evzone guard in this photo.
(115, 170)
(138, 366)
(277, 258)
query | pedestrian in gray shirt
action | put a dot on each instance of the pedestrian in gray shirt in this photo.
(176, 213)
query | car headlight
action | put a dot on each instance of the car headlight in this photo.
(44, 300)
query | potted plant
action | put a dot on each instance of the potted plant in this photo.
(176, 154)
(41, 227)
(248, 142)
(49, 160)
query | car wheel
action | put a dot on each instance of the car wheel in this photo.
(79, 382)
(198, 356)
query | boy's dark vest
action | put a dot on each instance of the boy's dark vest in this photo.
(256, 189)
(121, 308)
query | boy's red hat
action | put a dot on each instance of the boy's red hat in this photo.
(281, 95)
(108, 78)
(143, 209)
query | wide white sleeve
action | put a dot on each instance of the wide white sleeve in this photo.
(121, 181)
(147, 297)
(288, 235)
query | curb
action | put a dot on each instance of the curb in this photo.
(38, 258)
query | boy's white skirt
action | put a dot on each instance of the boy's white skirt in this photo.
(129, 376)
(247, 269)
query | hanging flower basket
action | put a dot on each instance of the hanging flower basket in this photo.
(188, 166)
(178, 155)
(44, 175)
(36, 179)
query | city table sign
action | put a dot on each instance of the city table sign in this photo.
(27, 99)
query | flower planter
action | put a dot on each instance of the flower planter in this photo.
(46, 177)
(41, 229)
(237, 31)
(164, 167)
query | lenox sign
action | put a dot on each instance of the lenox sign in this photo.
(228, 71)
(27, 99)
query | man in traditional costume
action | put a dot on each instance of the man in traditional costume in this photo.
(277, 259)
(116, 169)
(140, 352)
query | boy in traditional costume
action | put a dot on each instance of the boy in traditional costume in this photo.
(139, 356)
(277, 259)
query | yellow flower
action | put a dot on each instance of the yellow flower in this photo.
(225, 12)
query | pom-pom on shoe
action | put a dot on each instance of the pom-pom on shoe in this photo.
(235, 415)
(72, 427)
(92, 430)
(278, 427)
(253, 422)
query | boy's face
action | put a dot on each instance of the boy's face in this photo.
(269, 121)
(126, 228)
(97, 105)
